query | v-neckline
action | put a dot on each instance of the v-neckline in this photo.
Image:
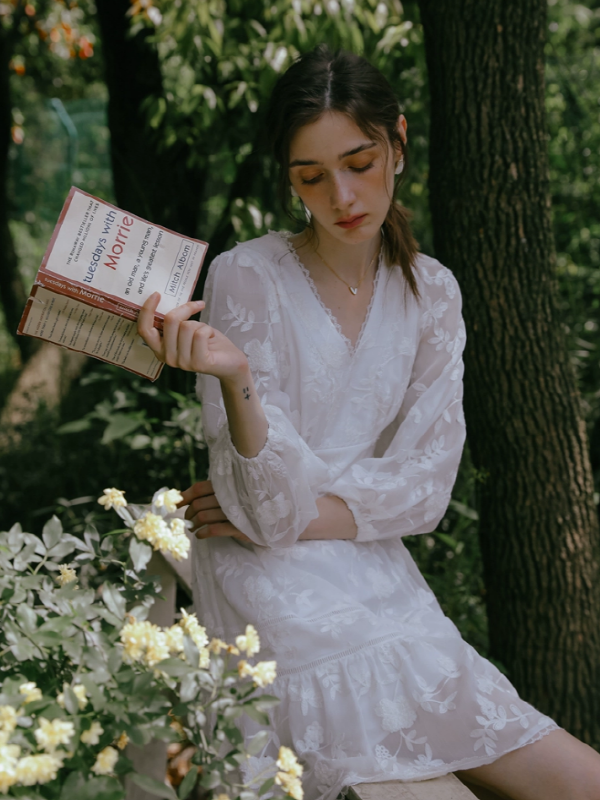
(352, 348)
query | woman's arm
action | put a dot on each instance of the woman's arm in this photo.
(197, 347)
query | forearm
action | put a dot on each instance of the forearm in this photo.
(248, 424)
(335, 520)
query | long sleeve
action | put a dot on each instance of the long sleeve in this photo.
(408, 489)
(270, 497)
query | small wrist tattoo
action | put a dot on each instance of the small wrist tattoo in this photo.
(246, 392)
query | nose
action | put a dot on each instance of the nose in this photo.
(342, 193)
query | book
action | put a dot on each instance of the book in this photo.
(101, 265)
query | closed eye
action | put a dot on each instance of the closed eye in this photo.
(354, 169)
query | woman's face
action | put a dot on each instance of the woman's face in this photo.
(344, 179)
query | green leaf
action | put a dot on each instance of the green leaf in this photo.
(119, 426)
(447, 540)
(257, 742)
(76, 426)
(114, 600)
(52, 532)
(140, 554)
(191, 651)
(187, 784)
(464, 510)
(256, 715)
(266, 702)
(71, 703)
(94, 692)
(266, 786)
(27, 618)
(153, 786)
(174, 667)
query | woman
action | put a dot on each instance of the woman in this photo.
(330, 372)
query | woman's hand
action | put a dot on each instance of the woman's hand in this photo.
(190, 345)
(204, 511)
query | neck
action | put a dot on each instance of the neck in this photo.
(349, 260)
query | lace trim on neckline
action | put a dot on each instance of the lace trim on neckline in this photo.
(285, 237)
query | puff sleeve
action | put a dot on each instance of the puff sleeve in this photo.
(270, 497)
(407, 490)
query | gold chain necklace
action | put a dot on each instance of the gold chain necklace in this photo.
(353, 289)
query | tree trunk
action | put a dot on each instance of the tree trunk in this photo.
(155, 183)
(490, 204)
(12, 292)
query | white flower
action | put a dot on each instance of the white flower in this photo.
(38, 769)
(287, 762)
(396, 714)
(112, 498)
(31, 691)
(67, 575)
(163, 537)
(154, 15)
(9, 754)
(105, 761)
(93, 734)
(249, 643)
(143, 641)
(8, 719)
(169, 500)
(53, 733)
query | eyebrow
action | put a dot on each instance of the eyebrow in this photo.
(301, 163)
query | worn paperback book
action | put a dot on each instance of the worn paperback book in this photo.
(101, 265)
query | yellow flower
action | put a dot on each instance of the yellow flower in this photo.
(204, 660)
(288, 762)
(93, 734)
(144, 641)
(290, 784)
(53, 733)
(30, 691)
(80, 694)
(191, 626)
(67, 575)
(264, 673)
(122, 741)
(8, 718)
(38, 769)
(249, 643)
(216, 645)
(169, 500)
(150, 527)
(167, 539)
(112, 498)
(244, 668)
(178, 728)
(105, 761)
(174, 638)
(9, 754)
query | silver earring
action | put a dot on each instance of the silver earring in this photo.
(399, 167)
(293, 192)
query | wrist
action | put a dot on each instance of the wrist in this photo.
(239, 378)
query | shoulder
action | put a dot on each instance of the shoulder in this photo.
(253, 261)
(436, 282)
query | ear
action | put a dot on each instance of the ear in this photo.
(401, 127)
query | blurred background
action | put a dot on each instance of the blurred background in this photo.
(157, 108)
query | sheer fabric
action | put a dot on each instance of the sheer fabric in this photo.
(375, 681)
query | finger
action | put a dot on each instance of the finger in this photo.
(173, 320)
(200, 353)
(219, 530)
(200, 504)
(198, 489)
(185, 337)
(208, 517)
(145, 324)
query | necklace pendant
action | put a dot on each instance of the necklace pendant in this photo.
(353, 289)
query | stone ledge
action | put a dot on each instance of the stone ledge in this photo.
(447, 787)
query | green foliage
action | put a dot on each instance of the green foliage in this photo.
(83, 672)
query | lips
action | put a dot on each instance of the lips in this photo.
(351, 222)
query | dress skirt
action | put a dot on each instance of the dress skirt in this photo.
(375, 682)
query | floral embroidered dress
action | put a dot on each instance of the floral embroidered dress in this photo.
(375, 681)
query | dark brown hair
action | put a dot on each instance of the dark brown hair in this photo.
(321, 81)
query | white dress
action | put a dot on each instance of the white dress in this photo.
(375, 681)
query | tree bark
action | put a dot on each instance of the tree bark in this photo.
(490, 204)
(12, 291)
(150, 181)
